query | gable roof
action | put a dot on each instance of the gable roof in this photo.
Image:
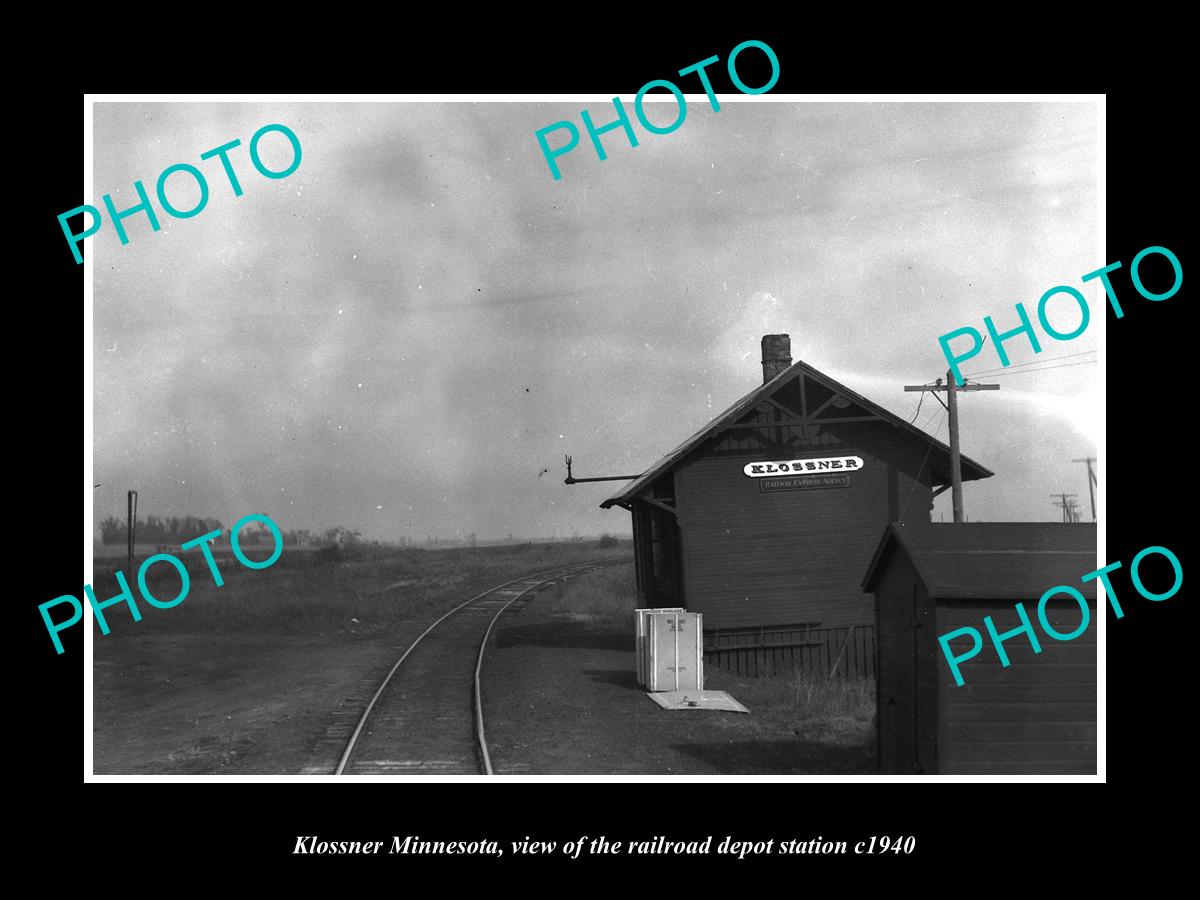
(971, 470)
(1008, 561)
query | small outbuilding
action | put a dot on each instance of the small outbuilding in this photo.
(1035, 716)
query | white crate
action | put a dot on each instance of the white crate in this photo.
(641, 649)
(675, 651)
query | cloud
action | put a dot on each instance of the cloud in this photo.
(421, 319)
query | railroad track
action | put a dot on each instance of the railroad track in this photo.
(426, 717)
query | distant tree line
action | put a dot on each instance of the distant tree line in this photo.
(160, 530)
(180, 529)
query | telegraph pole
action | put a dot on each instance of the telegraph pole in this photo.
(1067, 505)
(951, 405)
(131, 531)
(1091, 482)
(955, 454)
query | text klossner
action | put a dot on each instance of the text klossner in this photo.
(126, 596)
(222, 153)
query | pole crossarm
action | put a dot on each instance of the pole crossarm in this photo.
(958, 388)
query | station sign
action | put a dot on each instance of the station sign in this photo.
(793, 467)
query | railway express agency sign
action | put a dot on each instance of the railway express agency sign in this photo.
(803, 466)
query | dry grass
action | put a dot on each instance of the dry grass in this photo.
(837, 711)
(605, 596)
(798, 722)
(310, 593)
(841, 710)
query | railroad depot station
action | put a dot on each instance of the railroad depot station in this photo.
(775, 564)
(768, 520)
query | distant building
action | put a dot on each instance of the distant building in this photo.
(1037, 715)
(766, 518)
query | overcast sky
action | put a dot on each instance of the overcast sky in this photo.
(405, 335)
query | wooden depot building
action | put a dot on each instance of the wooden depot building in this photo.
(1035, 716)
(766, 518)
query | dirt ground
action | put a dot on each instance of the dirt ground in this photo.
(171, 704)
(561, 697)
(269, 673)
(231, 691)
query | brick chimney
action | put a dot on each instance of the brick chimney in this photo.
(776, 355)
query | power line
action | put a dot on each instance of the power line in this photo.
(918, 412)
(928, 422)
(1032, 362)
(932, 419)
(1086, 362)
(1090, 362)
(1028, 367)
(921, 469)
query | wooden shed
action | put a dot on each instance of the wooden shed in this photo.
(765, 519)
(1038, 714)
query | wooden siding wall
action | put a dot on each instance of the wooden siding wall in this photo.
(755, 652)
(907, 675)
(1038, 715)
(753, 558)
(641, 550)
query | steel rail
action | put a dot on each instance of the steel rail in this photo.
(542, 578)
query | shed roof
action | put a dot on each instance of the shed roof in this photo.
(971, 470)
(991, 560)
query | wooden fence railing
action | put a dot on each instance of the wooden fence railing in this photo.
(777, 649)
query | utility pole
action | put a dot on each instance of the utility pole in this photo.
(1068, 507)
(1091, 482)
(131, 531)
(951, 405)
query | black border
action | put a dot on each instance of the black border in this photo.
(1147, 393)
